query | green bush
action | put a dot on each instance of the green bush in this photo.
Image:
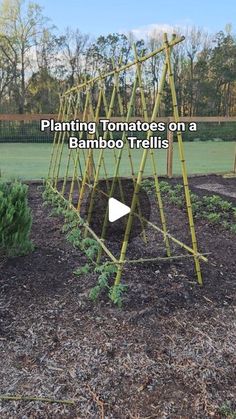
(15, 219)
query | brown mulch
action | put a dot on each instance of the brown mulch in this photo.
(168, 353)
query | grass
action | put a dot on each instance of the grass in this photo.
(30, 161)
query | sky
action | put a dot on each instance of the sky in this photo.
(108, 16)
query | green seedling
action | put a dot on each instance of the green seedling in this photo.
(82, 270)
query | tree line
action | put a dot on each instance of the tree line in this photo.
(37, 64)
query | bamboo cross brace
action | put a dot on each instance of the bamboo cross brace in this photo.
(155, 227)
(155, 259)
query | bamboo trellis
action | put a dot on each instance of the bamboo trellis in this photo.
(84, 169)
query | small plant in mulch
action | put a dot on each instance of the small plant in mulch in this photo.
(15, 219)
(116, 294)
(105, 271)
(227, 411)
(90, 248)
(148, 186)
(74, 236)
(83, 270)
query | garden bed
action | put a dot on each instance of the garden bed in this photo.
(168, 353)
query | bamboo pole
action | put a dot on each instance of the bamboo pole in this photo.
(70, 151)
(116, 171)
(154, 165)
(93, 117)
(182, 160)
(136, 191)
(58, 138)
(77, 159)
(121, 108)
(96, 119)
(100, 158)
(170, 136)
(112, 137)
(106, 109)
(55, 137)
(234, 168)
(61, 146)
(155, 227)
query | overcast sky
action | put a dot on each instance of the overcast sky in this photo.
(108, 16)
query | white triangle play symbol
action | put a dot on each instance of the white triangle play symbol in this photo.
(116, 209)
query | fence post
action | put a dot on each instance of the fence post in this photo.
(234, 169)
(169, 163)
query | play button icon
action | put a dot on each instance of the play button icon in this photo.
(112, 211)
(116, 209)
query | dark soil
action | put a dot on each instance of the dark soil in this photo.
(210, 183)
(168, 353)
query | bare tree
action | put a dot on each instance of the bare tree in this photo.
(19, 27)
(73, 47)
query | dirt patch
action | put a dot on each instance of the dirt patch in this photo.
(217, 188)
(215, 184)
(223, 187)
(169, 353)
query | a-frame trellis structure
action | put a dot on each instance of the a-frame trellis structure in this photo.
(83, 169)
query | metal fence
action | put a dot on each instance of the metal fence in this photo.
(16, 128)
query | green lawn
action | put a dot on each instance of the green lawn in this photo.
(30, 161)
